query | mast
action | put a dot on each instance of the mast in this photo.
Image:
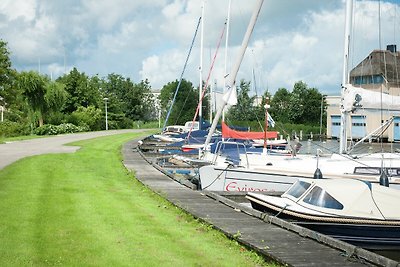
(201, 66)
(231, 84)
(267, 106)
(228, 20)
(345, 77)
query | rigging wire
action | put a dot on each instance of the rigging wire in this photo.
(183, 71)
(208, 79)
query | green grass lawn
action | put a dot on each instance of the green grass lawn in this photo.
(86, 209)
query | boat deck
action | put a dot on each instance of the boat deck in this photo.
(272, 237)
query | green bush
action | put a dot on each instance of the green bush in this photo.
(50, 129)
(11, 128)
(146, 125)
(90, 116)
(56, 118)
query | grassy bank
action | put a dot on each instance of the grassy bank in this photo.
(86, 209)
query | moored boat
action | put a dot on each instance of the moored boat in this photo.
(355, 211)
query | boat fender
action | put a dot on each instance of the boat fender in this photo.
(318, 174)
(383, 179)
(269, 164)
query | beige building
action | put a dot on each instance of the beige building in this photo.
(378, 72)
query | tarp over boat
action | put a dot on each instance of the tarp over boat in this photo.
(358, 98)
(230, 133)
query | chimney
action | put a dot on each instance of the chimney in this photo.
(392, 48)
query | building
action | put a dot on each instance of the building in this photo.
(378, 72)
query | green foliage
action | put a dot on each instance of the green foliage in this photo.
(301, 106)
(145, 125)
(90, 117)
(31, 99)
(10, 129)
(244, 110)
(185, 104)
(6, 72)
(33, 86)
(280, 105)
(133, 101)
(8, 92)
(64, 128)
(55, 96)
(82, 91)
(140, 102)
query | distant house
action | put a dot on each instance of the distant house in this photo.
(379, 72)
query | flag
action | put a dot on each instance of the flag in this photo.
(270, 120)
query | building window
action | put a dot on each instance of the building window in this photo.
(370, 79)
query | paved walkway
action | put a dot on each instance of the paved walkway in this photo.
(13, 151)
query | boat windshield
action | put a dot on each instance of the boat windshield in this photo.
(298, 189)
(319, 197)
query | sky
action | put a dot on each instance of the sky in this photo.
(293, 40)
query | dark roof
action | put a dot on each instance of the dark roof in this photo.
(380, 62)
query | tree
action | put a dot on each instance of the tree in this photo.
(185, 104)
(280, 103)
(7, 74)
(88, 116)
(244, 110)
(34, 89)
(82, 91)
(305, 104)
(139, 101)
(55, 97)
(9, 93)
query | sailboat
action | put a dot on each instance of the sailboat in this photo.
(266, 172)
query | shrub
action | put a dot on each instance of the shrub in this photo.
(50, 129)
(89, 116)
(11, 128)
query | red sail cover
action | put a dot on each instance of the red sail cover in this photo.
(229, 133)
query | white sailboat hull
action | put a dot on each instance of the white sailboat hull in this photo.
(278, 173)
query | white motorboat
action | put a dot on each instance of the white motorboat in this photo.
(355, 211)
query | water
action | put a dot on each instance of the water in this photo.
(391, 254)
(332, 146)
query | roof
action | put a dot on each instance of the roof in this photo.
(380, 62)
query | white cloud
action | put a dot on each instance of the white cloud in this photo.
(292, 41)
(162, 69)
(15, 9)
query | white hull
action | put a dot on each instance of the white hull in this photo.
(277, 173)
(215, 178)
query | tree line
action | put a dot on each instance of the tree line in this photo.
(35, 102)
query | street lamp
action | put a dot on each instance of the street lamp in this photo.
(2, 108)
(105, 101)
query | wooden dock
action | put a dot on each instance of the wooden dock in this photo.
(272, 237)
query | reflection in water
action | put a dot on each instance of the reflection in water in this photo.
(332, 146)
(391, 254)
